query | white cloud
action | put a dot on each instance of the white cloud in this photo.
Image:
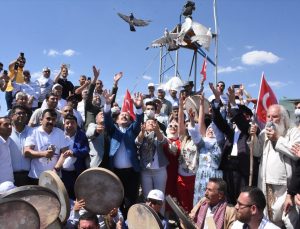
(277, 84)
(252, 85)
(147, 77)
(52, 52)
(259, 58)
(229, 69)
(249, 47)
(69, 52)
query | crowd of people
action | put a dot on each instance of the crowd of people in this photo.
(221, 167)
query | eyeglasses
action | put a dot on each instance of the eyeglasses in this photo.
(154, 202)
(239, 205)
(173, 126)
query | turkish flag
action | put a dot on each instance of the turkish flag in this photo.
(203, 71)
(266, 98)
(128, 105)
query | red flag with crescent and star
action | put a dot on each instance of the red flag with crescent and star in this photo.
(266, 98)
(128, 105)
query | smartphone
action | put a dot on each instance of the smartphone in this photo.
(22, 54)
(236, 86)
(89, 78)
(5, 72)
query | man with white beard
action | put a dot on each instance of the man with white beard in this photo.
(273, 145)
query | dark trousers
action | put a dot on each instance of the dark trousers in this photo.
(131, 181)
(9, 99)
(21, 178)
(69, 178)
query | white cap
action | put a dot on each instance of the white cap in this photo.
(150, 84)
(46, 69)
(6, 186)
(56, 85)
(156, 195)
(160, 88)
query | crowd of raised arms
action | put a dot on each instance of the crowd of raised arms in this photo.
(225, 169)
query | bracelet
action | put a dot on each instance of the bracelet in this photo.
(56, 169)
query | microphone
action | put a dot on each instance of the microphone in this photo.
(270, 124)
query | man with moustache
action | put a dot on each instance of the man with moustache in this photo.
(212, 211)
(61, 78)
(123, 151)
(250, 210)
(6, 170)
(51, 103)
(273, 145)
(45, 145)
(20, 131)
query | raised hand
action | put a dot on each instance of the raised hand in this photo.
(96, 72)
(231, 95)
(117, 77)
(79, 204)
(108, 96)
(215, 91)
(138, 100)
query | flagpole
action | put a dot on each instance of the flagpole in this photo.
(261, 79)
(216, 40)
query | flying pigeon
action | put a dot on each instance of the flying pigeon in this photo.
(168, 40)
(132, 21)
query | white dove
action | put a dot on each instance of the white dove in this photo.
(168, 40)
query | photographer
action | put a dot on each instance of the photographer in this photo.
(15, 71)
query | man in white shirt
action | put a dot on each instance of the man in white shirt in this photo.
(45, 145)
(250, 210)
(45, 84)
(6, 170)
(20, 131)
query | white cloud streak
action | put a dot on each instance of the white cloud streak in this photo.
(229, 69)
(259, 58)
(54, 53)
(147, 77)
(277, 84)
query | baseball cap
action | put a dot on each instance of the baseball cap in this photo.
(150, 84)
(56, 85)
(156, 195)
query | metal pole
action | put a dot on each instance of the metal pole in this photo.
(176, 55)
(160, 65)
(216, 40)
(195, 68)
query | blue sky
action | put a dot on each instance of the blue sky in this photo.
(255, 36)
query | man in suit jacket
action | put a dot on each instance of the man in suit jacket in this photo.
(123, 152)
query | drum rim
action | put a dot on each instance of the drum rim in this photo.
(59, 186)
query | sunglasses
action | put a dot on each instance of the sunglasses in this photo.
(154, 202)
